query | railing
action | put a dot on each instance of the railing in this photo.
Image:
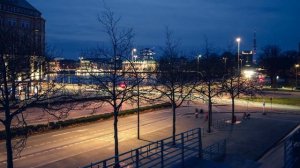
(292, 149)
(221, 123)
(165, 153)
(215, 151)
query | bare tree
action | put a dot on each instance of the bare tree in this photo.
(114, 83)
(270, 60)
(235, 85)
(174, 79)
(211, 71)
(21, 85)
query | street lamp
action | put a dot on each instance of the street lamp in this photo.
(241, 63)
(225, 61)
(198, 61)
(238, 40)
(277, 79)
(296, 66)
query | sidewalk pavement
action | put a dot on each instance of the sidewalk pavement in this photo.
(268, 106)
(246, 142)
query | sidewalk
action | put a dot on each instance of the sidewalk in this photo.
(268, 106)
(246, 142)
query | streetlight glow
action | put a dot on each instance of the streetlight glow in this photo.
(199, 56)
(198, 61)
(296, 82)
(238, 40)
(249, 73)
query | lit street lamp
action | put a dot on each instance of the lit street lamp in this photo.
(198, 61)
(277, 79)
(198, 65)
(238, 40)
(296, 66)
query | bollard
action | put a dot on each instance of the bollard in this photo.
(137, 158)
(182, 149)
(104, 164)
(199, 143)
(162, 153)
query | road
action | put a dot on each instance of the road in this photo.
(61, 146)
(37, 115)
(78, 146)
(76, 110)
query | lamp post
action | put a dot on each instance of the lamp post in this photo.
(198, 64)
(238, 40)
(241, 63)
(198, 61)
(277, 79)
(296, 66)
(225, 61)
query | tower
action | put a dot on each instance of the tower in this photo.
(254, 43)
(254, 48)
(298, 59)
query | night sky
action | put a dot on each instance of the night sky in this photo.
(72, 24)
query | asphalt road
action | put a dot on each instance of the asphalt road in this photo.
(45, 149)
(78, 146)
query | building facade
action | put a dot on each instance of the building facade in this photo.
(22, 37)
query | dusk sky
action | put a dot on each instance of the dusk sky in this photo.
(71, 25)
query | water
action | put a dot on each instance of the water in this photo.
(77, 79)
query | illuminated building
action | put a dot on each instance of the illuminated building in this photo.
(143, 63)
(147, 54)
(247, 59)
(22, 31)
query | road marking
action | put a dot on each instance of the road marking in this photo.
(107, 137)
(82, 130)
(61, 134)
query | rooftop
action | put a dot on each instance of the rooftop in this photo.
(20, 3)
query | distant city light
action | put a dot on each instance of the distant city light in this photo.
(249, 73)
(122, 85)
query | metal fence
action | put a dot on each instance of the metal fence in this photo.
(215, 151)
(166, 153)
(221, 123)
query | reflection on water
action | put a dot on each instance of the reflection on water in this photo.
(77, 79)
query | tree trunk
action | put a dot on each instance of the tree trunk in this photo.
(209, 114)
(273, 81)
(9, 149)
(138, 111)
(209, 108)
(117, 164)
(233, 116)
(174, 121)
